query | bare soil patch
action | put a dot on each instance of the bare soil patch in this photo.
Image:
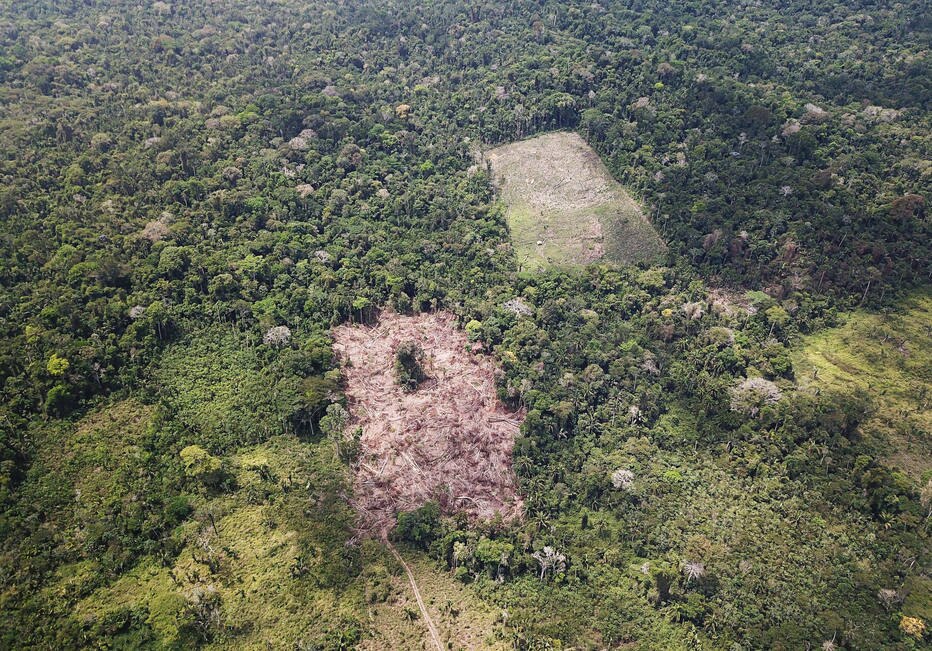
(451, 440)
(564, 208)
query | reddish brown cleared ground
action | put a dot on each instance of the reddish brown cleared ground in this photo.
(450, 441)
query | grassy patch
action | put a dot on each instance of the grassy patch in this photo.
(99, 493)
(267, 566)
(462, 619)
(889, 357)
(563, 207)
(264, 565)
(145, 594)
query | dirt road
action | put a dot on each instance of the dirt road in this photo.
(435, 636)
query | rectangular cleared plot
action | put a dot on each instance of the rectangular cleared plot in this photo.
(563, 207)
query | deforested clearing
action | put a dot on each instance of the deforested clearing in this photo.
(565, 209)
(449, 440)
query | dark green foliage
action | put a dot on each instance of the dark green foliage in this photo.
(177, 509)
(342, 637)
(419, 527)
(409, 365)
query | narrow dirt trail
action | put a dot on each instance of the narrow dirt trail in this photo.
(435, 636)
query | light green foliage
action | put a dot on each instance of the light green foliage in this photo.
(57, 365)
(31, 333)
(887, 357)
(334, 421)
(464, 620)
(419, 527)
(473, 328)
(147, 588)
(564, 209)
(281, 574)
(199, 463)
(777, 316)
(97, 478)
(494, 555)
(346, 444)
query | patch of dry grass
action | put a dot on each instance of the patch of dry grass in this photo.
(463, 620)
(565, 209)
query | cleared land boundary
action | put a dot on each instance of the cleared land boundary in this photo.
(451, 440)
(563, 207)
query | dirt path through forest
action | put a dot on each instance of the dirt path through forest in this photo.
(435, 636)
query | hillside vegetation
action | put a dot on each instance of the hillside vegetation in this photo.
(887, 357)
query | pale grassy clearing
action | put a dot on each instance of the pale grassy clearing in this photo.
(259, 555)
(888, 356)
(262, 553)
(564, 208)
(463, 620)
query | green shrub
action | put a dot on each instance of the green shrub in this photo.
(201, 465)
(419, 527)
(409, 370)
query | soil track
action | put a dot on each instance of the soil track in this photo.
(431, 628)
(450, 441)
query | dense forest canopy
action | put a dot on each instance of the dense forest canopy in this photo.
(727, 449)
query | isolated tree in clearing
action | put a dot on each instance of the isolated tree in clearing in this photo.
(450, 440)
(409, 370)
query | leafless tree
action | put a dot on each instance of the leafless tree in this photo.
(888, 597)
(693, 570)
(277, 336)
(622, 479)
(204, 608)
(752, 394)
(550, 561)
